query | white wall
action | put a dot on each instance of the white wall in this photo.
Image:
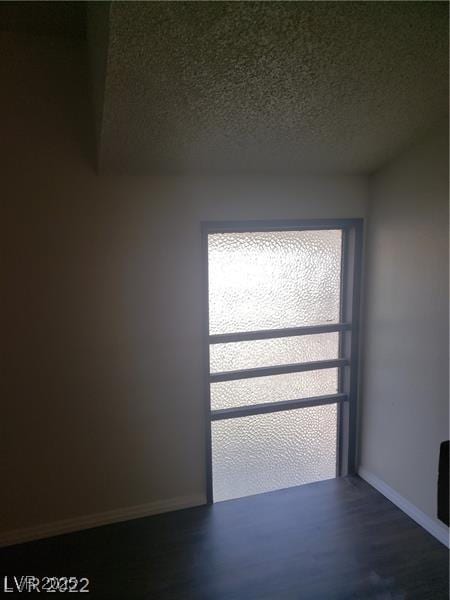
(102, 400)
(405, 395)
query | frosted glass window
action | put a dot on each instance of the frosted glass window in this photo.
(273, 279)
(279, 351)
(272, 451)
(273, 388)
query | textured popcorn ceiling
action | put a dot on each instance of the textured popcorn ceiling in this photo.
(270, 86)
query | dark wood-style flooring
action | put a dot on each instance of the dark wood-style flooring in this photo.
(337, 539)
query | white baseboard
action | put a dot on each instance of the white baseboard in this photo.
(438, 530)
(37, 532)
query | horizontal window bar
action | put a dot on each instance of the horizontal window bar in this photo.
(278, 370)
(258, 409)
(266, 334)
(212, 227)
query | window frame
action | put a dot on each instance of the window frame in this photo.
(348, 327)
